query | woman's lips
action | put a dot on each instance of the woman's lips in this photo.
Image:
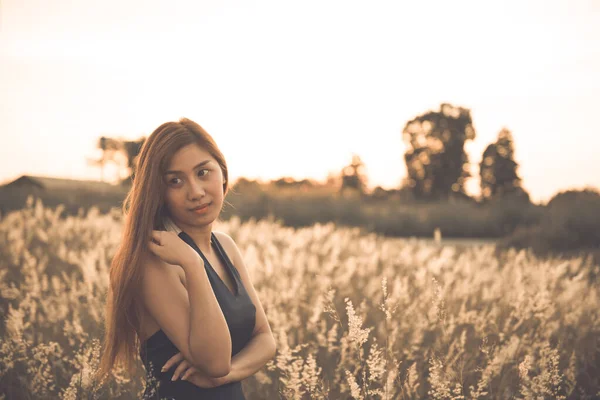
(201, 210)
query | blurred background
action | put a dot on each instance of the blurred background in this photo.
(467, 117)
(406, 143)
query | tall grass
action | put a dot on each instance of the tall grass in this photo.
(354, 315)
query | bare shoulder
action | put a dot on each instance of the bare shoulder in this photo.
(151, 264)
(225, 239)
(230, 247)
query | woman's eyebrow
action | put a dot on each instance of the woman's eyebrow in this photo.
(179, 172)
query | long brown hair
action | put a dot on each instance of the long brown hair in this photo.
(143, 211)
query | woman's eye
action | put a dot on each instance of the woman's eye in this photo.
(174, 180)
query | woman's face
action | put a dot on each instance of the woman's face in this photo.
(193, 179)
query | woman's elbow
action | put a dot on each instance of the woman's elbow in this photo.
(273, 348)
(215, 367)
(213, 362)
(220, 370)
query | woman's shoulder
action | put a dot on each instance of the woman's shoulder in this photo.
(150, 261)
(223, 237)
(226, 242)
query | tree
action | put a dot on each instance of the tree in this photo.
(132, 148)
(498, 169)
(436, 161)
(353, 175)
(291, 183)
(110, 148)
(124, 153)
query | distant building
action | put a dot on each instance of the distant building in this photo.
(44, 184)
(73, 193)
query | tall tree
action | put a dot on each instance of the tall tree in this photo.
(124, 153)
(354, 176)
(110, 150)
(131, 149)
(498, 169)
(436, 161)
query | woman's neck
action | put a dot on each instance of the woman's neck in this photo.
(202, 239)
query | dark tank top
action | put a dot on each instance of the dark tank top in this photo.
(239, 312)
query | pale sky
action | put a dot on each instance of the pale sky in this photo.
(295, 88)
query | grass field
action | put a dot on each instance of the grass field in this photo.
(354, 315)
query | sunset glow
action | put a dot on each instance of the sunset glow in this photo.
(294, 89)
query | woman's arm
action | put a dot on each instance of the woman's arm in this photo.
(259, 350)
(192, 319)
(261, 347)
(207, 352)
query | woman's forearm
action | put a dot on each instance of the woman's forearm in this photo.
(209, 340)
(259, 350)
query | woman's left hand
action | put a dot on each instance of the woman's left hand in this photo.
(188, 372)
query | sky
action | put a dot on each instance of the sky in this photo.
(294, 88)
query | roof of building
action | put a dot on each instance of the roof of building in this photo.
(53, 184)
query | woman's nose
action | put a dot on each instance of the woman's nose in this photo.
(196, 189)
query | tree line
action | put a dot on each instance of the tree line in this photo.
(436, 162)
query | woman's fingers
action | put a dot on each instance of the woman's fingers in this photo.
(172, 361)
(181, 368)
(156, 235)
(154, 248)
(187, 373)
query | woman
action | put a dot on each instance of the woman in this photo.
(179, 292)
